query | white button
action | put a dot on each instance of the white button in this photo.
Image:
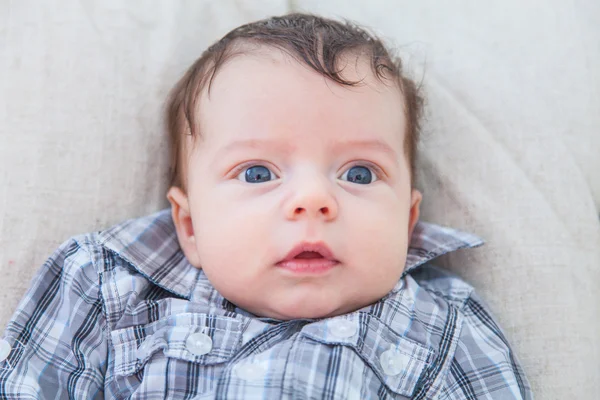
(392, 361)
(199, 344)
(4, 350)
(343, 328)
(144, 348)
(251, 371)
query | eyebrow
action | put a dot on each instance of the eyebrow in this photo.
(372, 144)
(255, 144)
(286, 148)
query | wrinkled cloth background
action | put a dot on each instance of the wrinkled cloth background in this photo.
(510, 149)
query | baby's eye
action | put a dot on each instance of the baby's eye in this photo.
(359, 174)
(256, 174)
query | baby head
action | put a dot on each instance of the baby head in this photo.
(293, 154)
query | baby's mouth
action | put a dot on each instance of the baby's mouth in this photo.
(309, 259)
(308, 263)
(307, 255)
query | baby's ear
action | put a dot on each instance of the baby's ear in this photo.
(180, 212)
(415, 204)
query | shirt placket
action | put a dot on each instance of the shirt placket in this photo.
(246, 371)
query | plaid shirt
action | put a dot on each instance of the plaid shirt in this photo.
(122, 314)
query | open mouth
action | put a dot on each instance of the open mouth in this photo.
(317, 259)
(308, 258)
(308, 255)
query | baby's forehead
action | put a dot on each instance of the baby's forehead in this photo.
(258, 91)
(353, 69)
(272, 79)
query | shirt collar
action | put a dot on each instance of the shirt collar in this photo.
(429, 241)
(150, 245)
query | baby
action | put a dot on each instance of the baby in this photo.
(291, 263)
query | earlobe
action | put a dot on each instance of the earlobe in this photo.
(182, 219)
(180, 210)
(415, 204)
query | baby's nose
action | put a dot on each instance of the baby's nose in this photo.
(301, 210)
(312, 199)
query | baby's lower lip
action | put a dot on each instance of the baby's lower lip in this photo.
(308, 265)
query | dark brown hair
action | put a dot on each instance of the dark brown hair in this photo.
(315, 41)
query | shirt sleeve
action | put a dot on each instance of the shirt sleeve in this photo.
(484, 365)
(57, 339)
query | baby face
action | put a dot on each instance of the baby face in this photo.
(298, 203)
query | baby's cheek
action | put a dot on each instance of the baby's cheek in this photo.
(228, 236)
(384, 247)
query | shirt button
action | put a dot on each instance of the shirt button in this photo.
(251, 371)
(4, 349)
(144, 348)
(199, 344)
(392, 361)
(343, 328)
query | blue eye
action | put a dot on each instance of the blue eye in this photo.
(256, 174)
(359, 174)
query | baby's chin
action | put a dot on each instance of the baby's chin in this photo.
(307, 309)
(305, 300)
